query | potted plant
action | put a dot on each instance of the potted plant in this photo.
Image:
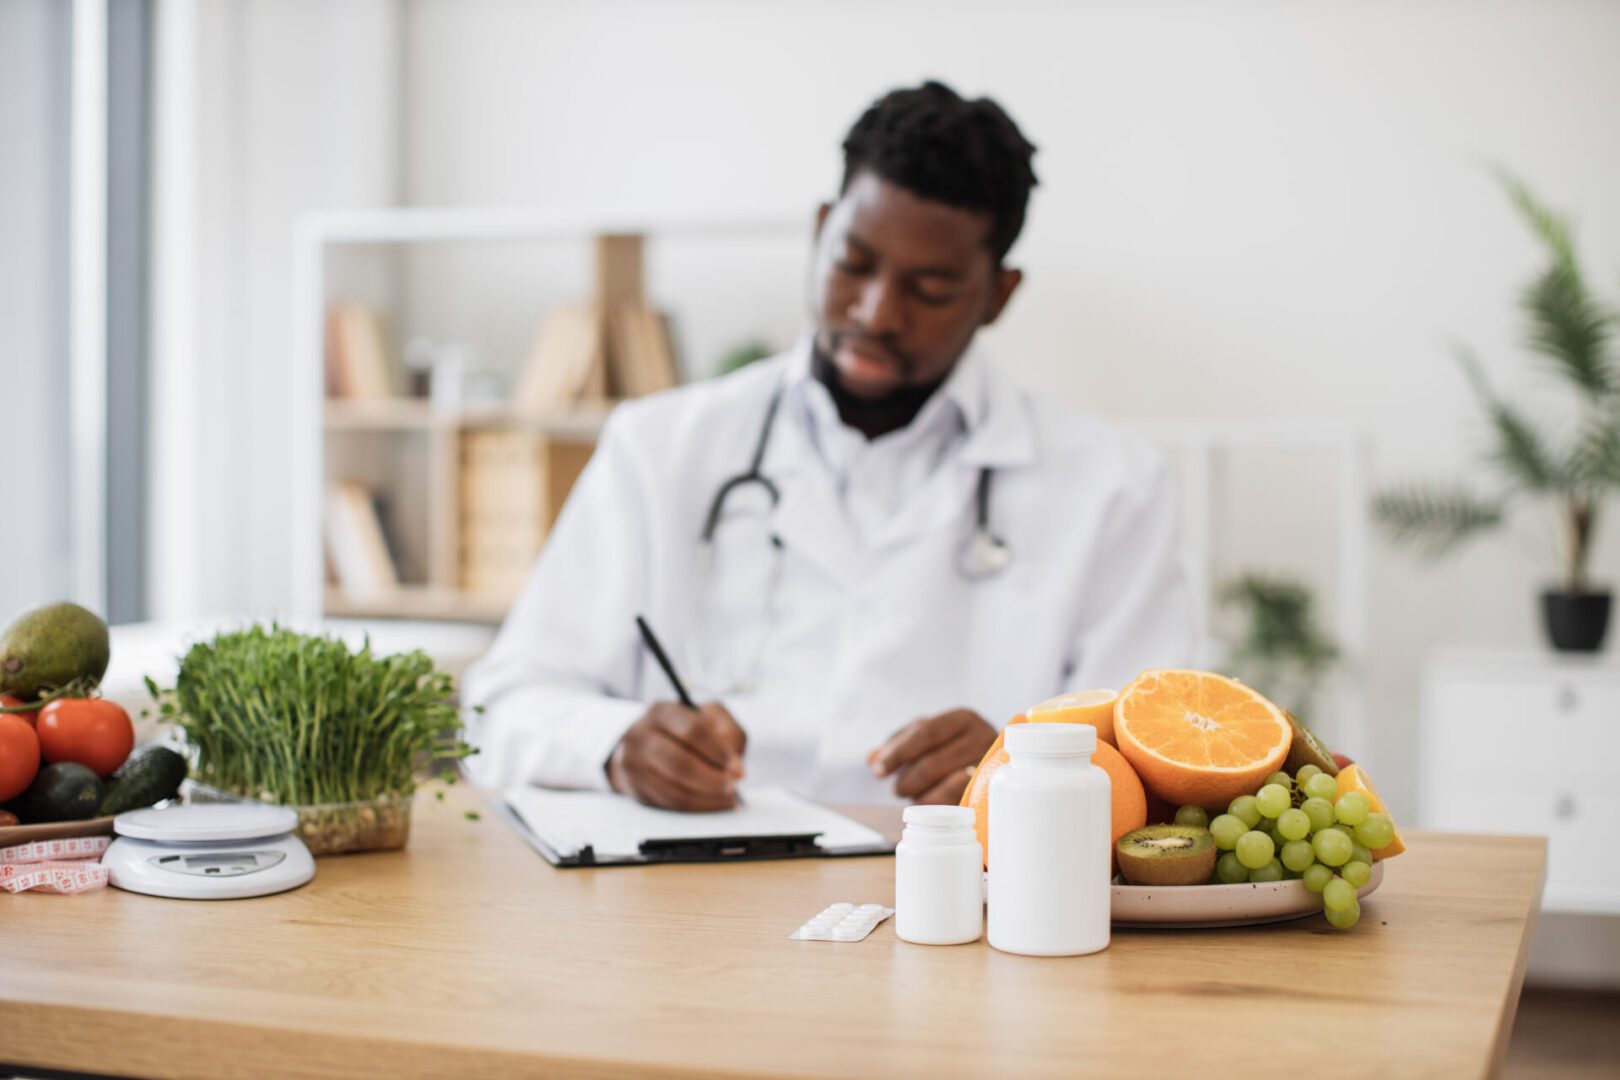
(298, 720)
(1573, 469)
(744, 353)
(1280, 650)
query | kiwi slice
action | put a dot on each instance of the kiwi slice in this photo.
(1166, 855)
(1307, 749)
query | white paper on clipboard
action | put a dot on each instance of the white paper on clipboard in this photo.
(614, 828)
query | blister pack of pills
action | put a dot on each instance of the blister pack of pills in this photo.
(842, 922)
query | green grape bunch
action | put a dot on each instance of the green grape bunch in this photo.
(1299, 828)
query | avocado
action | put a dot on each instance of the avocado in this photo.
(152, 774)
(50, 647)
(66, 791)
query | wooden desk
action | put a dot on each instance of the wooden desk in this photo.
(467, 955)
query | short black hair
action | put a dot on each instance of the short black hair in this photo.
(968, 154)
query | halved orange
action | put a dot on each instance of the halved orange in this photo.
(1351, 778)
(1094, 707)
(1130, 800)
(1198, 738)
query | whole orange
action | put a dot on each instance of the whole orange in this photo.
(1130, 799)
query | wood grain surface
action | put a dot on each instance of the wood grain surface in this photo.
(467, 955)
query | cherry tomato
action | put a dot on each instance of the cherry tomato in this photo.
(95, 733)
(19, 757)
(7, 701)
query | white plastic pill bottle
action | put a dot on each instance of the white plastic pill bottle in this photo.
(1050, 812)
(939, 877)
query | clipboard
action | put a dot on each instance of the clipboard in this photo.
(595, 828)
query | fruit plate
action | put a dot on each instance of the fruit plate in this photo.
(1195, 906)
(55, 830)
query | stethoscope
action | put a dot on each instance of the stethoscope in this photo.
(983, 555)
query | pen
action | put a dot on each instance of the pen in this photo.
(663, 661)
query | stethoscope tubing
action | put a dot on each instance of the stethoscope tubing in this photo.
(984, 539)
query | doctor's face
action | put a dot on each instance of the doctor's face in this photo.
(900, 284)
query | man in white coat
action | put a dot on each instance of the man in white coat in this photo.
(868, 552)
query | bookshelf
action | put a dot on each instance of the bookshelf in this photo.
(463, 493)
(404, 414)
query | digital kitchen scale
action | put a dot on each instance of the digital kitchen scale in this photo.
(209, 851)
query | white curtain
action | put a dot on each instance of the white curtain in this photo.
(264, 111)
(36, 552)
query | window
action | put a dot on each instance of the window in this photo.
(74, 131)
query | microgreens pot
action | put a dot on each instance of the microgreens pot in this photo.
(379, 824)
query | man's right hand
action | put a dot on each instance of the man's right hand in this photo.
(679, 759)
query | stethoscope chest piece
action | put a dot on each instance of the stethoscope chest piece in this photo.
(984, 555)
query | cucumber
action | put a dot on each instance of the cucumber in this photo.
(66, 791)
(152, 774)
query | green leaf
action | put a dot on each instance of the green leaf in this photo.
(742, 354)
(1281, 623)
(1552, 230)
(303, 720)
(1520, 449)
(1434, 519)
(1594, 462)
(1569, 327)
(1567, 324)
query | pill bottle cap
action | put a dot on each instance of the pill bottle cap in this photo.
(939, 817)
(1051, 739)
(940, 825)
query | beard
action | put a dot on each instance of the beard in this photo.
(872, 415)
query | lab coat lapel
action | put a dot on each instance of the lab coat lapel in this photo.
(1002, 438)
(1005, 437)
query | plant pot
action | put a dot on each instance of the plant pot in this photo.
(1576, 622)
(379, 824)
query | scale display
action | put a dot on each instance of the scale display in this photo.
(225, 863)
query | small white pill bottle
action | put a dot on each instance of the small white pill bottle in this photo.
(939, 877)
(1050, 813)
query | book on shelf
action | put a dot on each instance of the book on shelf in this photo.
(642, 360)
(356, 545)
(357, 363)
(513, 484)
(583, 353)
(565, 365)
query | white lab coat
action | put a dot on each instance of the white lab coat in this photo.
(868, 630)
